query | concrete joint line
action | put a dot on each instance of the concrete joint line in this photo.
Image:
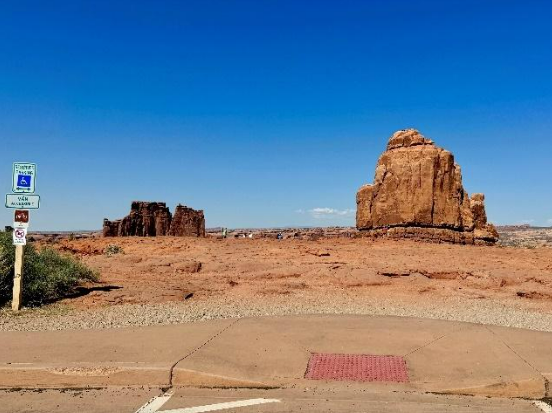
(433, 341)
(171, 372)
(513, 351)
(545, 380)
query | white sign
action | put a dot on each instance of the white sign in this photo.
(21, 201)
(24, 176)
(20, 236)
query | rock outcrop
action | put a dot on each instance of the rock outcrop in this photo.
(187, 222)
(418, 193)
(150, 219)
(145, 219)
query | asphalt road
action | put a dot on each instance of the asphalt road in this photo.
(143, 400)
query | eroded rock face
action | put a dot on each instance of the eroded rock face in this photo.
(187, 222)
(149, 219)
(145, 219)
(418, 193)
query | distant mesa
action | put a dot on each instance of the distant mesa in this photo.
(150, 219)
(417, 193)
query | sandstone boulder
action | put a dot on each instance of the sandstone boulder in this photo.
(418, 193)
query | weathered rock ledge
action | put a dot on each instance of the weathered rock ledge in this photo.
(418, 193)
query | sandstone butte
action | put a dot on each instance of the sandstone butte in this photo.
(148, 219)
(418, 193)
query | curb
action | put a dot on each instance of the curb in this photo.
(526, 389)
(193, 378)
(100, 375)
(97, 375)
(84, 375)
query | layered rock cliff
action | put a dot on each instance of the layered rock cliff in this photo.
(149, 219)
(418, 193)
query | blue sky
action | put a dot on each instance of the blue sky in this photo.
(265, 112)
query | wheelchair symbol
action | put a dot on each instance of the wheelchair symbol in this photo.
(24, 181)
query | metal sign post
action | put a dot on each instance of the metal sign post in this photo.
(22, 198)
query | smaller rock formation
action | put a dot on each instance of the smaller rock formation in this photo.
(150, 219)
(187, 222)
(146, 219)
(418, 193)
(111, 228)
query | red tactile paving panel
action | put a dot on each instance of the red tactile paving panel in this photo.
(357, 367)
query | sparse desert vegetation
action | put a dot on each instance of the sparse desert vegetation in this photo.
(48, 274)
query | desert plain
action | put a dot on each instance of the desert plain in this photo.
(167, 280)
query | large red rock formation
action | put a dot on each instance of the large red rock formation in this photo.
(148, 219)
(418, 193)
(187, 222)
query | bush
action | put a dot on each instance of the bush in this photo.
(113, 249)
(47, 275)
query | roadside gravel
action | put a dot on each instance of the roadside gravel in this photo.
(474, 311)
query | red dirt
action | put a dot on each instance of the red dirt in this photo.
(154, 270)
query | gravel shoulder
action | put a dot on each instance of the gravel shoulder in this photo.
(135, 315)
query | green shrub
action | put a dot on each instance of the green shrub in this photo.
(113, 249)
(47, 275)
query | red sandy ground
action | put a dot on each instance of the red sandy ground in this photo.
(154, 270)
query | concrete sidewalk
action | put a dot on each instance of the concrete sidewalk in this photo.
(441, 356)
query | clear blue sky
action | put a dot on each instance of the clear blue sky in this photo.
(262, 111)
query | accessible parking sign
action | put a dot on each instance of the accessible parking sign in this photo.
(24, 176)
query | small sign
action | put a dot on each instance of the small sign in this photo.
(21, 216)
(24, 176)
(22, 201)
(20, 236)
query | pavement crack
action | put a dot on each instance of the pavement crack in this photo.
(191, 353)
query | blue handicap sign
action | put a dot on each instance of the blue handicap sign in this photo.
(24, 181)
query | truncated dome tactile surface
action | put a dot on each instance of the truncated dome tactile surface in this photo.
(357, 367)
